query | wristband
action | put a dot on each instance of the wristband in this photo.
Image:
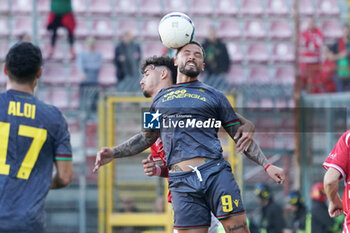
(267, 166)
(158, 171)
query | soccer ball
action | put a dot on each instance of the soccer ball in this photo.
(175, 30)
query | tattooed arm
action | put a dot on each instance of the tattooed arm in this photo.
(133, 146)
(255, 154)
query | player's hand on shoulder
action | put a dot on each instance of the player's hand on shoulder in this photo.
(244, 135)
(149, 167)
(104, 156)
(276, 173)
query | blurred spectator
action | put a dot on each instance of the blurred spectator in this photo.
(24, 37)
(310, 48)
(61, 15)
(341, 53)
(272, 220)
(320, 221)
(127, 57)
(217, 61)
(327, 73)
(127, 205)
(89, 63)
(296, 213)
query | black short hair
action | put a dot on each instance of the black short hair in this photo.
(192, 42)
(166, 61)
(23, 62)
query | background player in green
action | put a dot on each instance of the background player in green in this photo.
(196, 155)
(33, 137)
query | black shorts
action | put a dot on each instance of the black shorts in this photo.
(195, 193)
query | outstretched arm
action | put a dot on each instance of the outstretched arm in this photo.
(255, 154)
(133, 146)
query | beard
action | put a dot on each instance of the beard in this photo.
(146, 94)
(190, 72)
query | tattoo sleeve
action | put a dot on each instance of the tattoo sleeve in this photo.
(136, 144)
(254, 152)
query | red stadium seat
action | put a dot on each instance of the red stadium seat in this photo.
(100, 7)
(150, 7)
(280, 29)
(226, 7)
(60, 53)
(4, 27)
(54, 74)
(82, 30)
(106, 47)
(254, 29)
(277, 8)
(59, 98)
(4, 7)
(306, 7)
(178, 5)
(107, 75)
(236, 76)
(43, 6)
(20, 7)
(22, 25)
(150, 28)
(205, 8)
(282, 52)
(331, 29)
(284, 75)
(229, 29)
(127, 7)
(257, 52)
(74, 76)
(79, 7)
(127, 24)
(235, 52)
(152, 48)
(251, 8)
(102, 28)
(202, 26)
(258, 75)
(327, 8)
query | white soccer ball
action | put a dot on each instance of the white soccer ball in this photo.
(175, 30)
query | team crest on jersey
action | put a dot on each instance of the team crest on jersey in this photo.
(332, 155)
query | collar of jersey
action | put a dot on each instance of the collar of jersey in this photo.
(185, 84)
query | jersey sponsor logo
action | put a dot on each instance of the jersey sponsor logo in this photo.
(21, 110)
(151, 120)
(181, 94)
(332, 155)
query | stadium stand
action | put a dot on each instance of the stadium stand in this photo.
(282, 52)
(327, 8)
(4, 27)
(125, 7)
(226, 8)
(306, 7)
(149, 7)
(100, 7)
(254, 29)
(257, 53)
(229, 29)
(277, 8)
(179, 5)
(235, 52)
(251, 8)
(280, 29)
(205, 9)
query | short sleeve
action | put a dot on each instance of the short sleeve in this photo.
(226, 114)
(63, 148)
(339, 156)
